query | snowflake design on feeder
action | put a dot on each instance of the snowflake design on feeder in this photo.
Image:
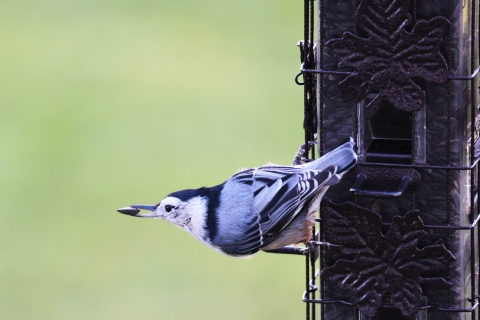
(382, 265)
(390, 57)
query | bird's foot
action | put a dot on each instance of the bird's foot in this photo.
(309, 248)
(299, 158)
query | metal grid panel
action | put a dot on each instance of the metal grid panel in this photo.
(451, 163)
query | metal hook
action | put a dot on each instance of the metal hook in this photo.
(296, 79)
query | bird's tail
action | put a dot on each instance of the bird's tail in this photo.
(343, 158)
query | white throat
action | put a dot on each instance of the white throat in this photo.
(195, 211)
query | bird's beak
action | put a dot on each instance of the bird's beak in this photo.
(134, 210)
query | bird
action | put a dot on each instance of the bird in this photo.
(263, 208)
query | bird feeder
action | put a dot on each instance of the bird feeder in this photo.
(397, 238)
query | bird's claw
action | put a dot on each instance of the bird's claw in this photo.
(299, 156)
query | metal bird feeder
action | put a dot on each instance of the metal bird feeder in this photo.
(397, 238)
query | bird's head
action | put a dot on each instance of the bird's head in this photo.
(178, 208)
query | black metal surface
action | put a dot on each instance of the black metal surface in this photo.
(383, 264)
(389, 158)
(474, 301)
(382, 182)
(442, 171)
(387, 57)
(421, 166)
(350, 73)
(470, 77)
(289, 250)
(310, 121)
(362, 51)
(357, 190)
(307, 57)
(427, 226)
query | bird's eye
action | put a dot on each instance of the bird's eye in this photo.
(168, 208)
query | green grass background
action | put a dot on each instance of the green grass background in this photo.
(106, 103)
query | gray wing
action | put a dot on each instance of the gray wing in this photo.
(280, 194)
(279, 199)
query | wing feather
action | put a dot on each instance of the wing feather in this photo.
(266, 194)
(297, 191)
(280, 194)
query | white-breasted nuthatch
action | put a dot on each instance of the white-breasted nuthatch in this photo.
(262, 208)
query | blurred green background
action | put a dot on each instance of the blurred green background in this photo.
(107, 103)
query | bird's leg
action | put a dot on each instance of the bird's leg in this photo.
(299, 159)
